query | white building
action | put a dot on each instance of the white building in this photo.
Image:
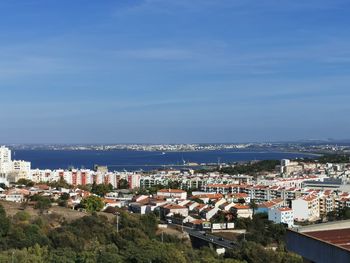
(283, 215)
(11, 171)
(21, 169)
(5, 160)
(172, 193)
(306, 208)
(133, 180)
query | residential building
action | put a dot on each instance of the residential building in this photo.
(282, 215)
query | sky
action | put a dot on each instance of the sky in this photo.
(165, 71)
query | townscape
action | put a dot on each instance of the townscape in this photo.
(293, 193)
(174, 131)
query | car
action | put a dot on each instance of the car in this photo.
(221, 238)
(204, 234)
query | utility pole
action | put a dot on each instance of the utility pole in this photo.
(117, 222)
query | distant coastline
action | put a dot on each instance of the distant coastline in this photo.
(146, 160)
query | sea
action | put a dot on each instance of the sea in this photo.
(121, 160)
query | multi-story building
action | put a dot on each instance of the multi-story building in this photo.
(133, 180)
(282, 215)
(306, 208)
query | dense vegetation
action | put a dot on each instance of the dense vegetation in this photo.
(341, 214)
(251, 168)
(94, 238)
(334, 158)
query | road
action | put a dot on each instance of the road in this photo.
(221, 242)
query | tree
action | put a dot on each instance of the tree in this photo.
(101, 189)
(4, 222)
(25, 182)
(63, 199)
(241, 200)
(253, 206)
(42, 202)
(123, 184)
(92, 203)
(61, 183)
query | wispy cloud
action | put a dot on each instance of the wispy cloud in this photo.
(237, 6)
(157, 53)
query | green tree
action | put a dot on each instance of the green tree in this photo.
(4, 222)
(253, 205)
(42, 202)
(123, 184)
(25, 182)
(101, 189)
(63, 199)
(92, 203)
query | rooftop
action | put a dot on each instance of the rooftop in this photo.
(338, 237)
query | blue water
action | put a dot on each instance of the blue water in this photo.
(136, 160)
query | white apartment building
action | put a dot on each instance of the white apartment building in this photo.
(20, 169)
(306, 208)
(282, 215)
(11, 171)
(5, 160)
(133, 180)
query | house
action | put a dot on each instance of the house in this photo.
(197, 223)
(172, 193)
(237, 197)
(206, 198)
(172, 209)
(192, 205)
(199, 208)
(112, 203)
(226, 206)
(265, 206)
(220, 202)
(208, 213)
(140, 208)
(282, 215)
(16, 195)
(242, 211)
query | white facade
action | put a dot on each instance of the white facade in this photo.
(21, 169)
(5, 160)
(306, 208)
(172, 193)
(134, 180)
(12, 170)
(283, 215)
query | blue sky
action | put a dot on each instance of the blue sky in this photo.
(174, 71)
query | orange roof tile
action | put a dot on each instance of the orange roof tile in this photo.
(171, 191)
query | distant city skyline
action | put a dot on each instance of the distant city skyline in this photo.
(184, 71)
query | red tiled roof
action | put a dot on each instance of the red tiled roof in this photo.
(171, 191)
(210, 196)
(197, 222)
(174, 206)
(241, 207)
(309, 198)
(283, 209)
